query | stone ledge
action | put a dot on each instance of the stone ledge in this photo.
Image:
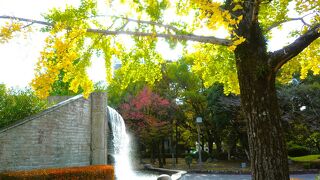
(50, 109)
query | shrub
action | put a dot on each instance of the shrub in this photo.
(311, 165)
(220, 155)
(315, 165)
(87, 172)
(306, 165)
(204, 155)
(297, 150)
(18, 104)
(188, 160)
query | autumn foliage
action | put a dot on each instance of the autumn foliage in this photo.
(145, 110)
(74, 173)
(147, 113)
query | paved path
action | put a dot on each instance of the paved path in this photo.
(237, 177)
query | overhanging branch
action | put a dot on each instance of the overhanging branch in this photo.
(190, 37)
(282, 56)
(274, 25)
(177, 36)
(26, 20)
(152, 23)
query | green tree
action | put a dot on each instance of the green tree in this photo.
(186, 87)
(299, 103)
(249, 68)
(16, 104)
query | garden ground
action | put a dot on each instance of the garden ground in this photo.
(297, 164)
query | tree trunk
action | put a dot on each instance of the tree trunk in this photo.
(159, 148)
(163, 153)
(267, 146)
(152, 154)
(176, 145)
(217, 141)
(210, 143)
(244, 143)
(229, 154)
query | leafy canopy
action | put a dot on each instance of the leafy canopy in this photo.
(76, 33)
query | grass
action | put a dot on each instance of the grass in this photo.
(307, 158)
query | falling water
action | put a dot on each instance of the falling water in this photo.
(119, 148)
(119, 145)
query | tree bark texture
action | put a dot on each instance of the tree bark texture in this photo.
(267, 146)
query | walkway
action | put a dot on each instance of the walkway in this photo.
(237, 177)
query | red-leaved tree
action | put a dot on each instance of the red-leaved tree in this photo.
(147, 116)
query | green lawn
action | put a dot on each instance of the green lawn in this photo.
(307, 158)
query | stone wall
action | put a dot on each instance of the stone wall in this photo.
(67, 134)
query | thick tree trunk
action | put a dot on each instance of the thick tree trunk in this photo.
(268, 152)
(266, 139)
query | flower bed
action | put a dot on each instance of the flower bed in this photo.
(75, 173)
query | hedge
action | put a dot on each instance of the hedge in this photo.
(311, 165)
(75, 173)
(297, 150)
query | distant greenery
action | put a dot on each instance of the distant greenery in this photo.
(308, 162)
(295, 150)
(16, 104)
(300, 105)
(307, 158)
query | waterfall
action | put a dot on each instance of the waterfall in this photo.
(119, 149)
(119, 146)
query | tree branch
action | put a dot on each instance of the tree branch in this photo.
(153, 23)
(282, 56)
(191, 37)
(255, 11)
(288, 20)
(26, 20)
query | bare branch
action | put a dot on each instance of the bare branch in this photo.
(122, 27)
(112, 24)
(153, 23)
(288, 20)
(282, 56)
(30, 24)
(182, 37)
(26, 20)
(142, 22)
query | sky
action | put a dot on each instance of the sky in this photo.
(19, 56)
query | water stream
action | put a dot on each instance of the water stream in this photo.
(119, 148)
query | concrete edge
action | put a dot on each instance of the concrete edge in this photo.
(238, 172)
(175, 174)
(46, 111)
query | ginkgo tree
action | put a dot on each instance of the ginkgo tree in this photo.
(241, 60)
